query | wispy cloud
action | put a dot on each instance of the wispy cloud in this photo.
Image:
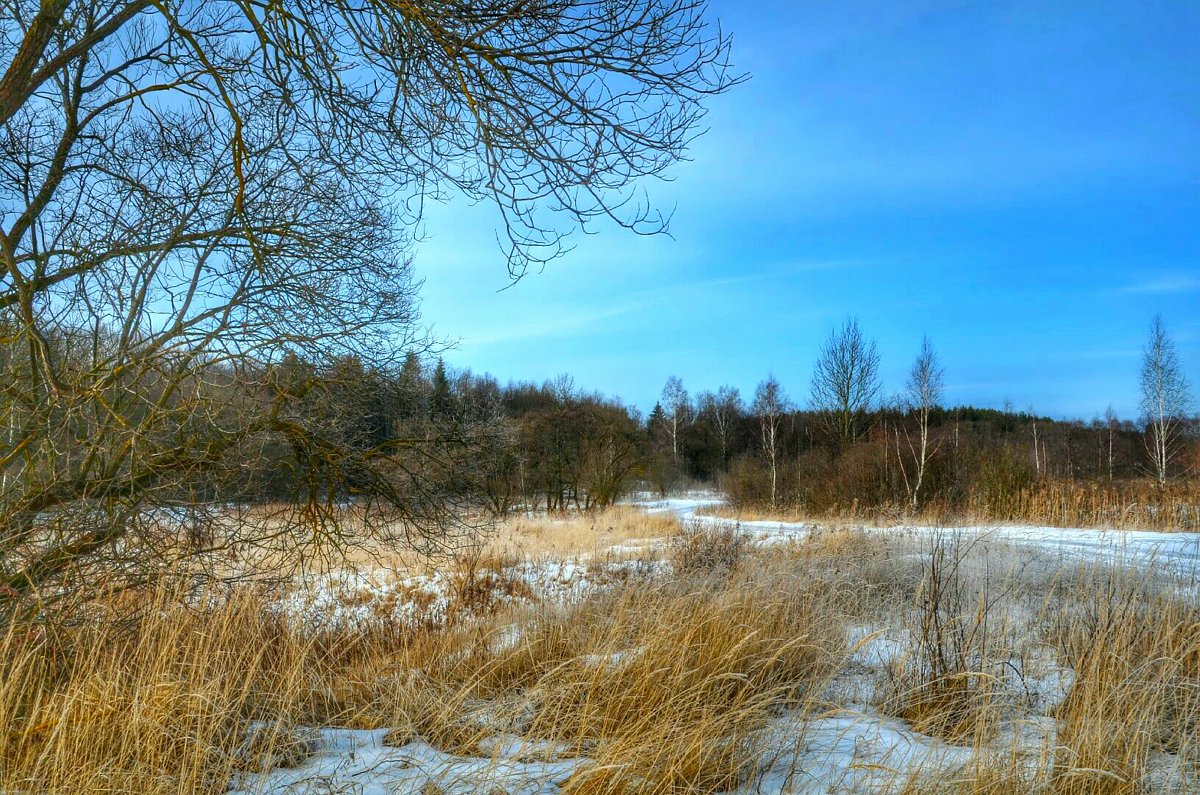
(579, 314)
(1164, 285)
(546, 324)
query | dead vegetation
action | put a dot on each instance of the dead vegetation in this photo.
(1003, 497)
(1077, 682)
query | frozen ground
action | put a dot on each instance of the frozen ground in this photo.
(1178, 551)
(357, 762)
(850, 749)
(358, 597)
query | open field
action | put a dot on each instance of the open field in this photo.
(1130, 505)
(334, 458)
(1177, 550)
(638, 650)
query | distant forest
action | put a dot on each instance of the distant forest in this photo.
(551, 446)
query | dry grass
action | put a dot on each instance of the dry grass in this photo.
(534, 537)
(1138, 504)
(1135, 653)
(1129, 505)
(157, 705)
(706, 669)
(580, 534)
(1130, 719)
(664, 684)
(715, 550)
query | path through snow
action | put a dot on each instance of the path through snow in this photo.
(1179, 552)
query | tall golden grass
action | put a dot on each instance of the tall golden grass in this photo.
(1130, 505)
(1138, 504)
(1131, 644)
(665, 685)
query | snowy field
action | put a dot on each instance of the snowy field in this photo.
(1178, 551)
(848, 745)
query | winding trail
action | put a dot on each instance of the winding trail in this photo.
(1177, 552)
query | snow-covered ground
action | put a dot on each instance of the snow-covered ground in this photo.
(840, 752)
(357, 762)
(1178, 551)
(852, 748)
(344, 598)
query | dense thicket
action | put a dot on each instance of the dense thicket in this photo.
(552, 446)
(538, 446)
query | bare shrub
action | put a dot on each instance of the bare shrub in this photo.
(748, 482)
(713, 548)
(946, 685)
(483, 583)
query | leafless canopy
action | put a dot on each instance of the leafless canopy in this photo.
(845, 384)
(191, 188)
(1166, 399)
(771, 406)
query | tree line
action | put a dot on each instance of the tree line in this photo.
(850, 446)
(552, 446)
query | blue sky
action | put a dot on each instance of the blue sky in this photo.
(1019, 181)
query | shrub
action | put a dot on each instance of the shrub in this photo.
(716, 548)
(943, 685)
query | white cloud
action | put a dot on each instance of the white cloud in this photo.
(1164, 285)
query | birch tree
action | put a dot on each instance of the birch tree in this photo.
(677, 408)
(1165, 400)
(1111, 423)
(845, 383)
(726, 408)
(770, 407)
(924, 394)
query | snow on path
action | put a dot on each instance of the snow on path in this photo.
(1179, 552)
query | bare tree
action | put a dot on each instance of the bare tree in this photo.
(924, 394)
(191, 190)
(1111, 424)
(1040, 460)
(677, 405)
(846, 384)
(770, 407)
(724, 408)
(1166, 398)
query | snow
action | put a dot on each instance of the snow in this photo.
(1178, 551)
(353, 598)
(839, 752)
(357, 762)
(850, 749)
(684, 507)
